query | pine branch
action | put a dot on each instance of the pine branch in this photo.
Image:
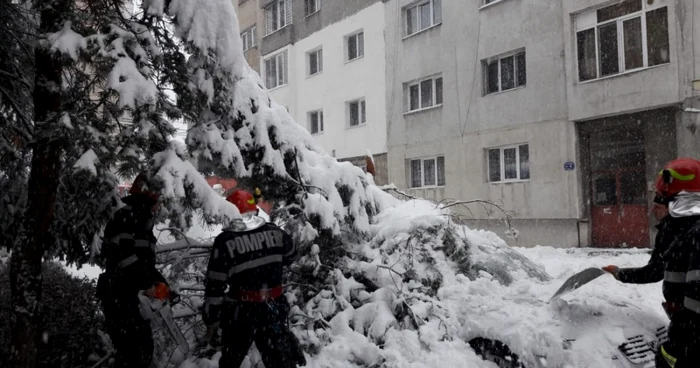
(27, 122)
(17, 77)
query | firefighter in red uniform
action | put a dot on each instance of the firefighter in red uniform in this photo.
(247, 258)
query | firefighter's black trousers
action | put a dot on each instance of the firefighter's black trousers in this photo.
(263, 323)
(132, 338)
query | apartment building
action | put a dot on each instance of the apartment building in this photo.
(324, 61)
(561, 111)
(249, 19)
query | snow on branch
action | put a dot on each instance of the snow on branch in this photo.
(181, 179)
(67, 41)
(209, 25)
(87, 162)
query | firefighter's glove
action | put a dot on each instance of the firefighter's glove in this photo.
(158, 291)
(613, 270)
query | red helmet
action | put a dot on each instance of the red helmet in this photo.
(141, 186)
(679, 175)
(243, 200)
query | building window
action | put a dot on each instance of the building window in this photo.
(509, 163)
(276, 70)
(424, 94)
(505, 72)
(315, 62)
(355, 46)
(427, 172)
(316, 122)
(312, 6)
(278, 15)
(356, 113)
(248, 38)
(423, 15)
(621, 37)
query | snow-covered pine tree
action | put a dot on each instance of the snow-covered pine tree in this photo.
(94, 62)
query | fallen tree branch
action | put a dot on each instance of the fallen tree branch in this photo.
(186, 256)
(396, 190)
(99, 363)
(390, 269)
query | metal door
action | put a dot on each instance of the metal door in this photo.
(619, 209)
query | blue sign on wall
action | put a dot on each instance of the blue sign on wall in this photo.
(569, 166)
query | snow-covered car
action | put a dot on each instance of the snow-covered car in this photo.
(516, 325)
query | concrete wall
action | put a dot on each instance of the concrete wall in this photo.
(275, 40)
(696, 45)
(456, 48)
(652, 87)
(340, 82)
(468, 122)
(557, 233)
(331, 12)
(303, 26)
(248, 15)
(551, 193)
(689, 118)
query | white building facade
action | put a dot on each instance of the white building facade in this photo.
(325, 62)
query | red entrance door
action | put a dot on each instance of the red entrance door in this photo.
(619, 209)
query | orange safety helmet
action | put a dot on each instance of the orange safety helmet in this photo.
(244, 200)
(679, 175)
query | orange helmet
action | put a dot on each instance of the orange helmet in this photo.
(243, 200)
(679, 175)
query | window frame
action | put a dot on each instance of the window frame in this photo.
(416, 7)
(249, 32)
(287, 4)
(498, 59)
(422, 160)
(317, 7)
(320, 124)
(502, 173)
(434, 94)
(361, 112)
(619, 21)
(285, 57)
(319, 61)
(355, 34)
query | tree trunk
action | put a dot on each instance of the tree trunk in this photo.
(25, 273)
